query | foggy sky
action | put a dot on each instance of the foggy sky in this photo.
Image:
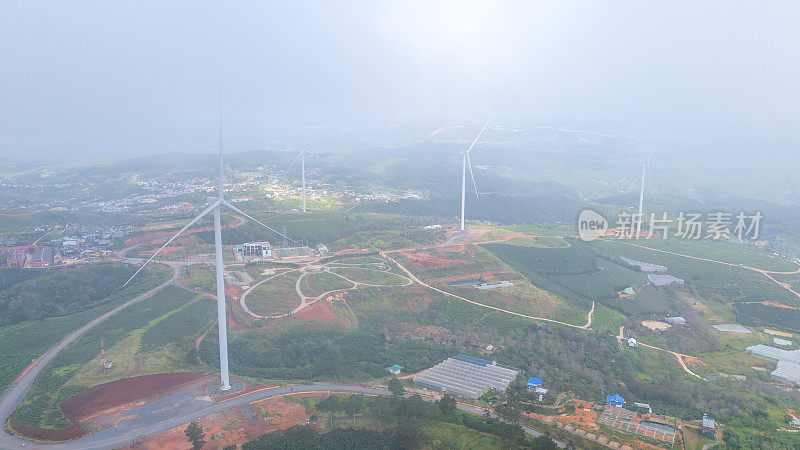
(97, 76)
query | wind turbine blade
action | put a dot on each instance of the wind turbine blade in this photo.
(235, 209)
(292, 164)
(479, 136)
(472, 175)
(186, 227)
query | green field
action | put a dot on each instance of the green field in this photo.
(120, 334)
(188, 322)
(574, 273)
(758, 314)
(275, 296)
(24, 342)
(607, 319)
(650, 300)
(715, 281)
(525, 296)
(314, 284)
(370, 276)
(721, 251)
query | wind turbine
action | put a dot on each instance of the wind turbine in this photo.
(645, 171)
(465, 162)
(215, 206)
(302, 157)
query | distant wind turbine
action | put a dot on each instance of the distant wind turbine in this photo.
(645, 170)
(302, 157)
(465, 162)
(216, 205)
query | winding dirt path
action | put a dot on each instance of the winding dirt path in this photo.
(543, 319)
(766, 273)
(306, 301)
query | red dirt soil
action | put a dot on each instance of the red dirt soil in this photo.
(426, 260)
(231, 427)
(67, 434)
(102, 398)
(505, 274)
(317, 311)
(115, 393)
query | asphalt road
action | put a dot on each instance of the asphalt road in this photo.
(14, 394)
(152, 419)
(165, 414)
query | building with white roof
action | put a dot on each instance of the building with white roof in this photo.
(788, 367)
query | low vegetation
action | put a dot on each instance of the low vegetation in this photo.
(38, 294)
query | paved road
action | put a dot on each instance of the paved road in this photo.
(14, 394)
(180, 408)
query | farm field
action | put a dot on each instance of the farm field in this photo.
(314, 284)
(457, 269)
(369, 276)
(39, 408)
(542, 229)
(577, 275)
(39, 335)
(721, 251)
(650, 300)
(607, 319)
(199, 277)
(716, 281)
(316, 226)
(276, 296)
(760, 314)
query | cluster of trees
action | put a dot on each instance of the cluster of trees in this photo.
(760, 314)
(313, 228)
(592, 366)
(317, 353)
(497, 208)
(304, 436)
(37, 294)
(400, 421)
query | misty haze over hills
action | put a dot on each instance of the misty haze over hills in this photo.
(94, 79)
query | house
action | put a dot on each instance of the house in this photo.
(533, 383)
(708, 427)
(395, 369)
(16, 258)
(615, 400)
(643, 408)
(632, 342)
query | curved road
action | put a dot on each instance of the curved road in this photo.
(112, 437)
(542, 319)
(14, 394)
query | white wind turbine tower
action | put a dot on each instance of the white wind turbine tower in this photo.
(216, 205)
(645, 171)
(465, 162)
(302, 157)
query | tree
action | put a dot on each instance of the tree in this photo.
(353, 404)
(396, 386)
(447, 404)
(330, 404)
(194, 431)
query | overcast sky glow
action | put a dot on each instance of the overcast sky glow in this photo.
(97, 74)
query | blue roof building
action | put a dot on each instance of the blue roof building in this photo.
(615, 400)
(395, 369)
(534, 382)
